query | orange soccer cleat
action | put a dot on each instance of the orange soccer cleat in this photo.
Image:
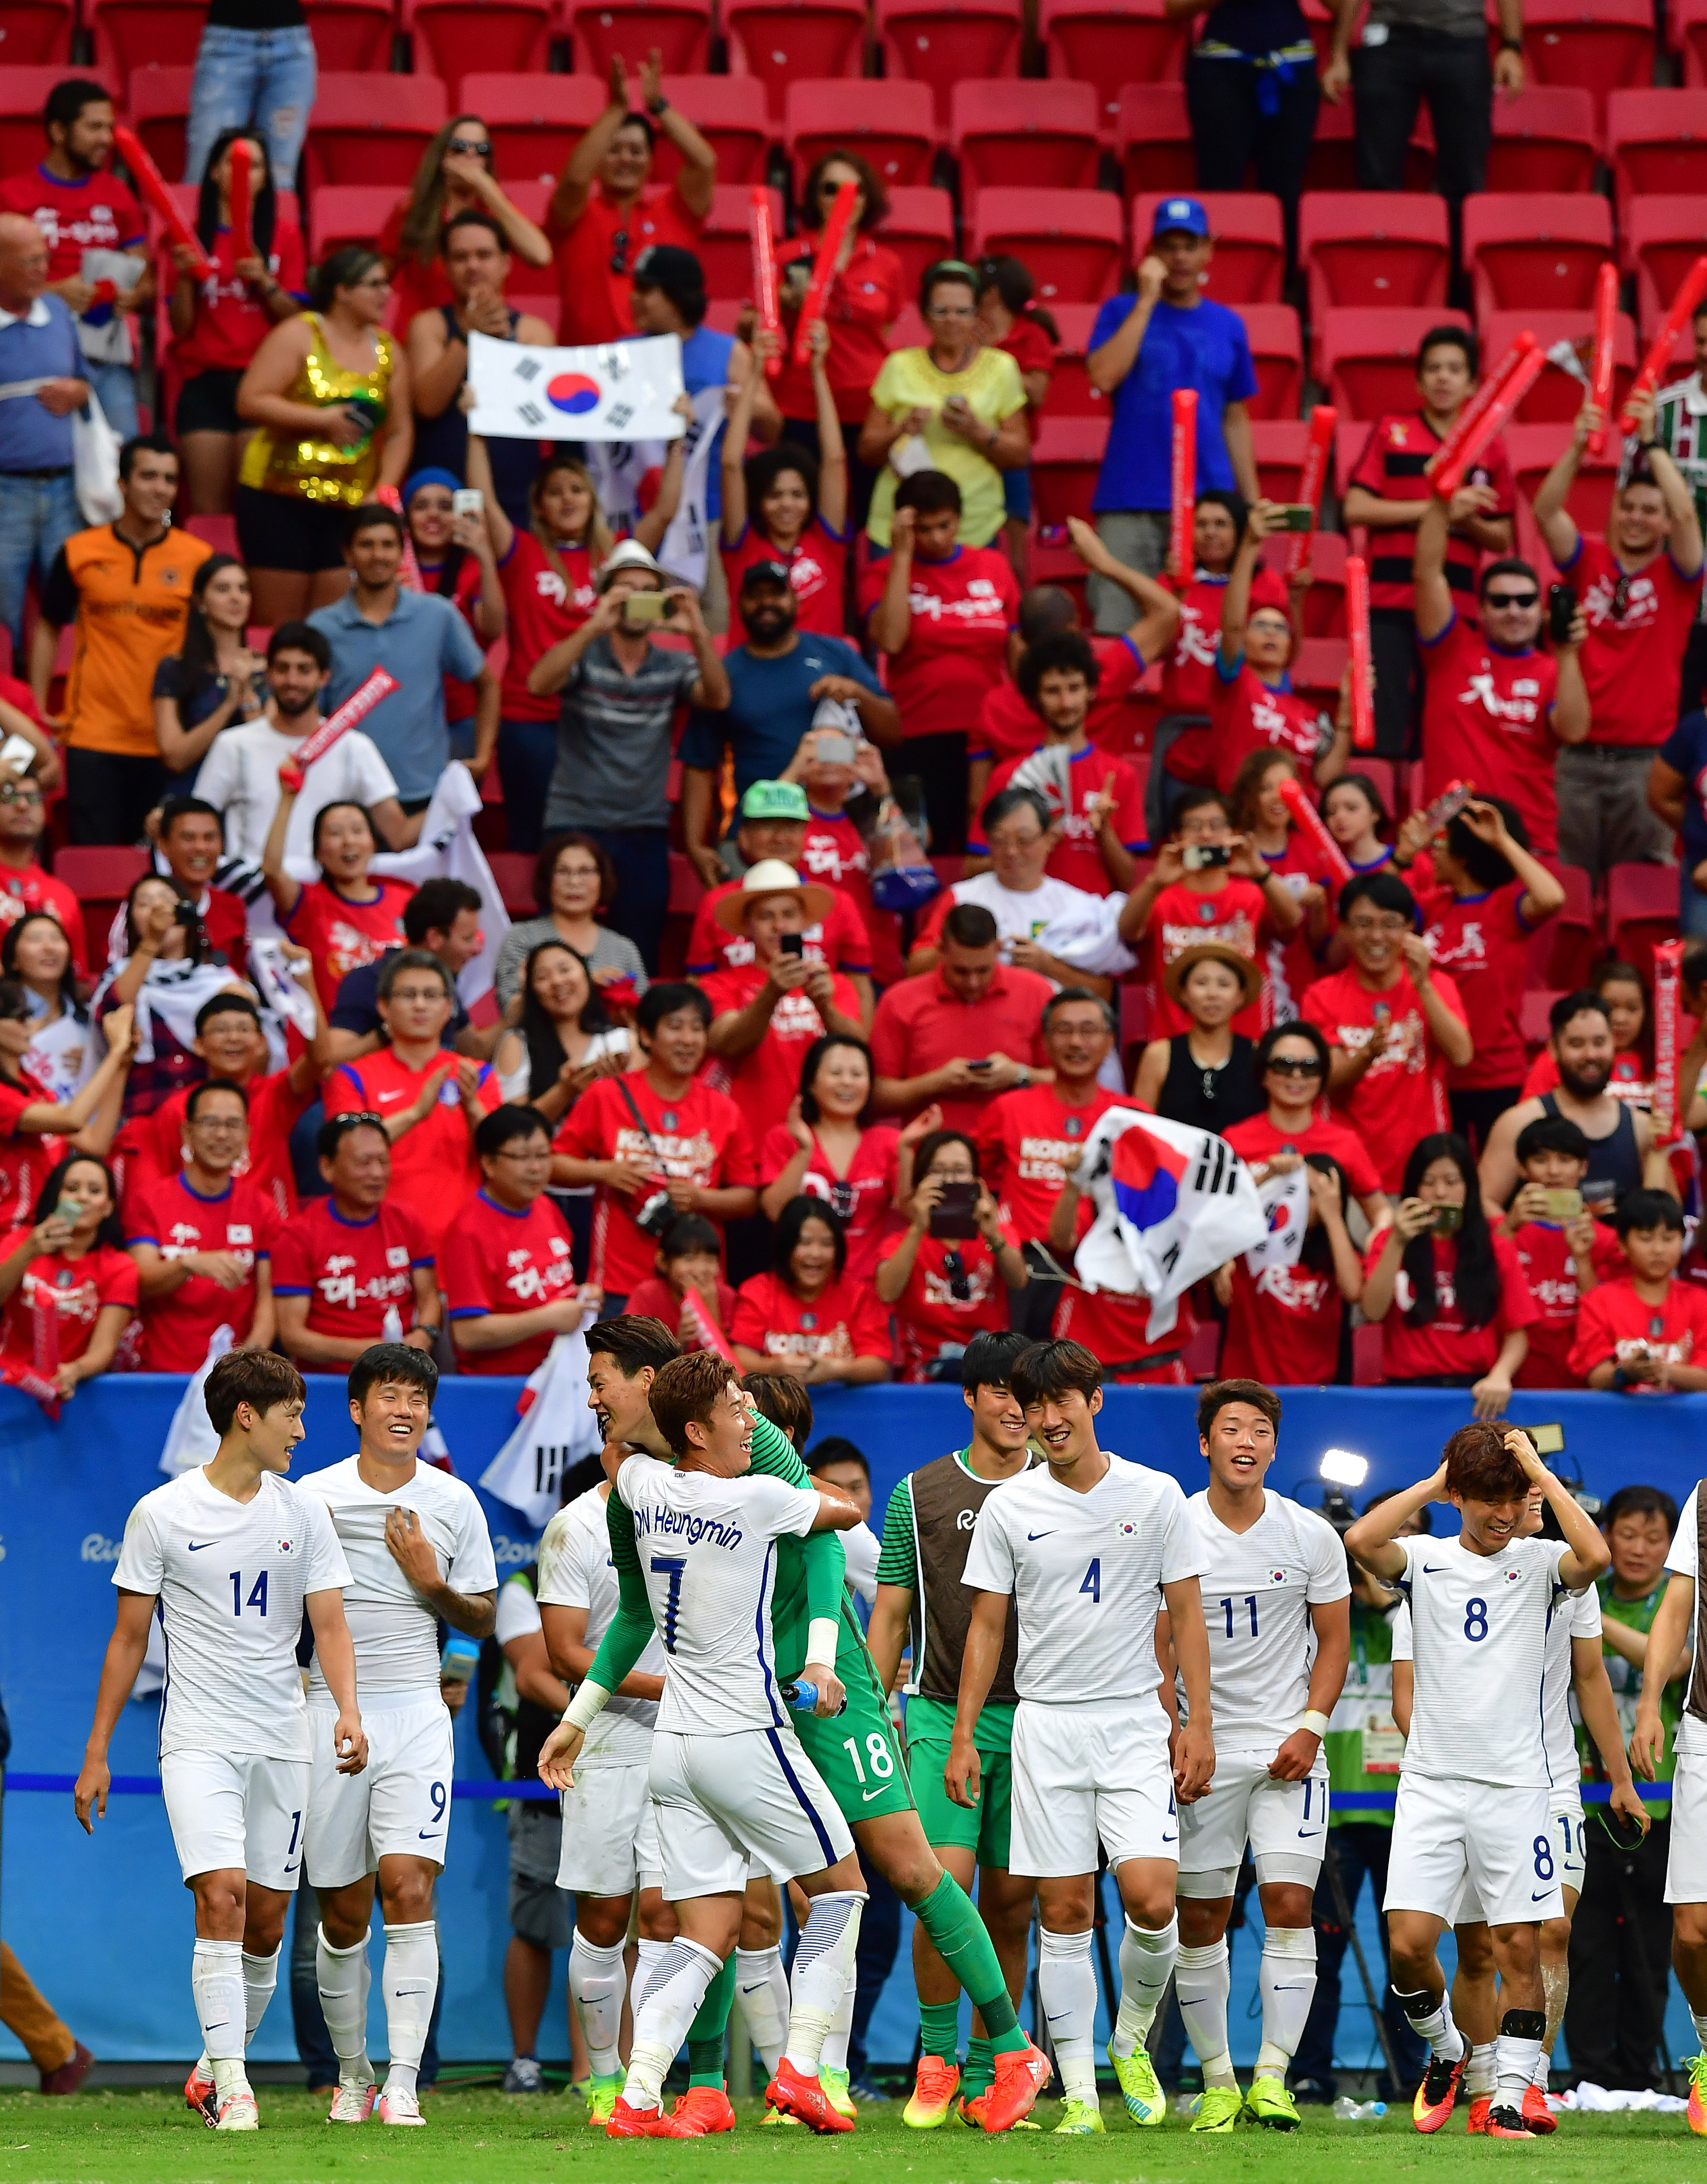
(1438, 2091)
(1476, 2124)
(796, 2094)
(705, 2110)
(1537, 2114)
(644, 2123)
(1508, 2123)
(198, 2095)
(1021, 2074)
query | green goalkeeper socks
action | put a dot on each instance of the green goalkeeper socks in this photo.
(965, 1948)
(705, 2035)
(980, 2067)
(939, 2029)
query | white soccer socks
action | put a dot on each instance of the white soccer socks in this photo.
(260, 1977)
(1287, 1981)
(1478, 2071)
(343, 1979)
(834, 2056)
(1431, 2022)
(1067, 1988)
(763, 1988)
(669, 2006)
(597, 1980)
(1148, 1956)
(411, 1988)
(1203, 1978)
(216, 1981)
(1514, 2054)
(823, 1967)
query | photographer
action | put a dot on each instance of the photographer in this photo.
(620, 694)
(169, 971)
(947, 1276)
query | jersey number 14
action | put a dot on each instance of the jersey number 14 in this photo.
(258, 1593)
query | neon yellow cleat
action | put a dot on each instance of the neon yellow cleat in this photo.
(1219, 2108)
(1698, 2094)
(779, 2119)
(935, 2084)
(601, 2098)
(835, 2085)
(1080, 2120)
(1140, 2088)
(1268, 2101)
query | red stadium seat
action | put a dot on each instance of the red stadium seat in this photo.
(680, 29)
(350, 143)
(133, 34)
(455, 37)
(1070, 391)
(1317, 669)
(1073, 240)
(1535, 252)
(725, 248)
(1250, 246)
(100, 879)
(1386, 249)
(1656, 144)
(1279, 444)
(1545, 138)
(730, 111)
(22, 94)
(1555, 397)
(1660, 240)
(1323, 602)
(1575, 931)
(894, 125)
(345, 213)
(36, 33)
(919, 227)
(1112, 42)
(1368, 359)
(784, 41)
(218, 532)
(1600, 46)
(513, 870)
(1332, 162)
(1349, 441)
(1686, 33)
(1030, 135)
(1153, 140)
(352, 34)
(1278, 352)
(1535, 448)
(943, 42)
(1641, 912)
(1065, 458)
(158, 106)
(535, 120)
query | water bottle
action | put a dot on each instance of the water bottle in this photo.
(460, 1659)
(1347, 2110)
(803, 1698)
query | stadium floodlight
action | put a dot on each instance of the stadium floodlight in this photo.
(1342, 1469)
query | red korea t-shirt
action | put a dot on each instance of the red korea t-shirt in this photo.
(231, 321)
(1487, 719)
(843, 1322)
(1234, 915)
(930, 1318)
(241, 1220)
(763, 1081)
(1246, 714)
(817, 565)
(158, 1146)
(27, 888)
(1402, 1095)
(1549, 1274)
(351, 1271)
(1008, 727)
(342, 934)
(77, 1288)
(1256, 1140)
(1446, 1346)
(26, 1160)
(1189, 680)
(1115, 1329)
(1022, 1139)
(1483, 940)
(1635, 646)
(542, 609)
(494, 1259)
(962, 609)
(864, 1198)
(1612, 1318)
(1283, 1326)
(841, 941)
(433, 1166)
(96, 212)
(1075, 857)
(596, 297)
(1292, 964)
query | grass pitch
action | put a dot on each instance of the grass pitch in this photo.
(149, 2138)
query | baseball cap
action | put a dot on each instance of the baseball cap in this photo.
(775, 800)
(1179, 214)
(764, 572)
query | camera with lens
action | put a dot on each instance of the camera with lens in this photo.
(655, 1216)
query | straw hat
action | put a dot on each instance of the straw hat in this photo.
(1175, 974)
(770, 876)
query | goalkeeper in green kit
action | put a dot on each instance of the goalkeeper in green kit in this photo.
(817, 1641)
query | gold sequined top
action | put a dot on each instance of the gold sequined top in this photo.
(316, 470)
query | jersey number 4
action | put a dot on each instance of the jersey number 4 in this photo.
(258, 1593)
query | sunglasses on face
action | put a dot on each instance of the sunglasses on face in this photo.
(1287, 1065)
(474, 147)
(1497, 599)
(11, 795)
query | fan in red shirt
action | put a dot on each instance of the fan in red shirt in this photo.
(24, 885)
(1293, 855)
(828, 1147)
(456, 177)
(774, 826)
(1209, 884)
(606, 210)
(1493, 896)
(1447, 1292)
(34, 1127)
(349, 1259)
(765, 1014)
(453, 553)
(940, 613)
(1396, 1024)
(688, 1292)
(948, 1276)
(68, 1287)
(1563, 1254)
(505, 1262)
(1640, 1334)
(1495, 710)
(781, 506)
(834, 849)
(1114, 1329)
(74, 196)
(868, 292)
(1253, 706)
(203, 1241)
(961, 1034)
(1026, 1137)
(221, 318)
(344, 919)
(1284, 1324)
(431, 1102)
(808, 1317)
(1291, 1066)
(655, 1140)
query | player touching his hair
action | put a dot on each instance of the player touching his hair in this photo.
(1476, 1787)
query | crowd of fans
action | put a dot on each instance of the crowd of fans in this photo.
(838, 1128)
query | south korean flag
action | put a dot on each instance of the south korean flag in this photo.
(1285, 1205)
(615, 391)
(554, 1431)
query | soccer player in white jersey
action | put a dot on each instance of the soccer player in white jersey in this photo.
(729, 1778)
(1476, 1786)
(1090, 1548)
(1277, 1602)
(610, 1855)
(232, 1557)
(419, 1553)
(1573, 1662)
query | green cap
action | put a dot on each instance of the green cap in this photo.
(775, 800)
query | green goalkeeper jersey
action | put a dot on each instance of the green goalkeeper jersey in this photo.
(1680, 426)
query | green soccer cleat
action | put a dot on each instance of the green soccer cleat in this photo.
(1219, 2108)
(1268, 2101)
(1140, 2089)
(600, 2097)
(1080, 2120)
(834, 2084)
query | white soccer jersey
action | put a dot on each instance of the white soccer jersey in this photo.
(861, 1548)
(708, 1549)
(1683, 1560)
(395, 1632)
(575, 1571)
(1479, 1638)
(1085, 1572)
(232, 1577)
(1259, 1588)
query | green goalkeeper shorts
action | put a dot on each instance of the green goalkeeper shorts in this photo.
(857, 1752)
(982, 1828)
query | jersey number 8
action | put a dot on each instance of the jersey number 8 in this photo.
(1474, 1619)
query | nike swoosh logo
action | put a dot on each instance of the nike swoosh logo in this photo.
(1432, 1569)
(756, 1990)
(870, 1794)
(429, 1835)
(196, 1546)
(292, 1869)
(1309, 1835)
(1040, 1536)
(1543, 1897)
(1169, 1838)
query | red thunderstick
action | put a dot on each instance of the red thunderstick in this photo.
(356, 707)
(1605, 340)
(1362, 670)
(764, 273)
(1291, 794)
(153, 186)
(242, 197)
(1324, 422)
(1658, 361)
(1184, 484)
(836, 227)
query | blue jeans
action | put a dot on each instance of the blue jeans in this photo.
(265, 76)
(115, 390)
(37, 515)
(641, 904)
(526, 760)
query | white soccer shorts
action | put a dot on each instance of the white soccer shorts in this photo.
(1084, 1774)
(399, 1805)
(609, 1833)
(1488, 1842)
(1284, 1823)
(724, 1803)
(1566, 1830)
(1686, 1862)
(237, 1810)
